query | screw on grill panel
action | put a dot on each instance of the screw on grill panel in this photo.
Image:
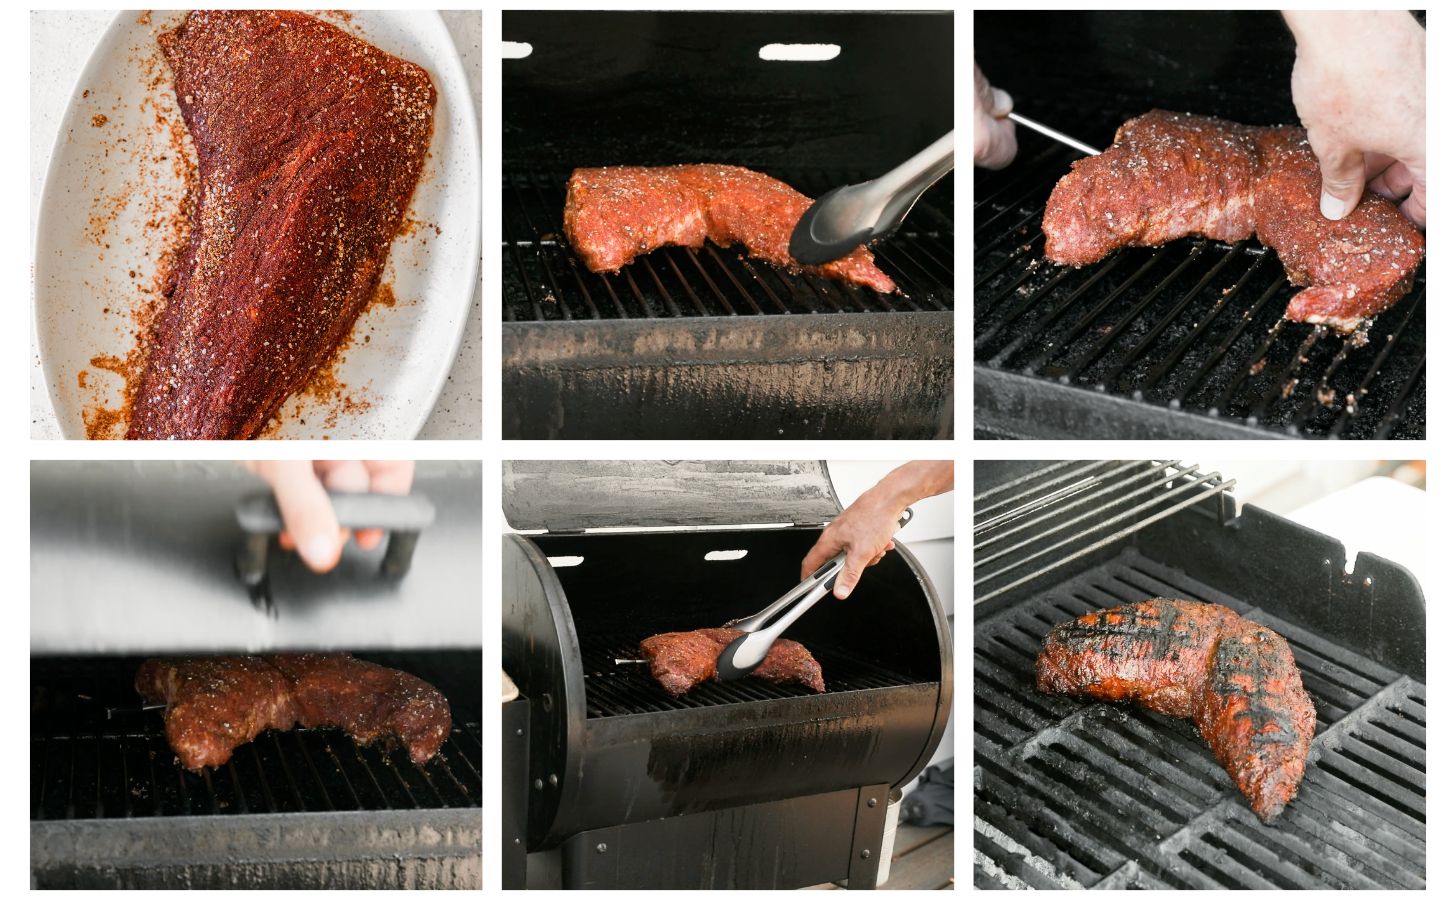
(601, 848)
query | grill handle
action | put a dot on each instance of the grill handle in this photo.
(403, 516)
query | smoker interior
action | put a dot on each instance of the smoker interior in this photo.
(1184, 340)
(1074, 793)
(110, 805)
(610, 747)
(690, 333)
(629, 587)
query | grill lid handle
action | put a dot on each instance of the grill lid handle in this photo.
(403, 516)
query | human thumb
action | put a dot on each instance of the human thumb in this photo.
(1343, 174)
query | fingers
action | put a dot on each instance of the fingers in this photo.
(823, 550)
(1394, 182)
(1414, 207)
(385, 477)
(308, 516)
(1343, 172)
(994, 135)
(854, 565)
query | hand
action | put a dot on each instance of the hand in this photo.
(995, 134)
(1359, 83)
(301, 487)
(866, 530)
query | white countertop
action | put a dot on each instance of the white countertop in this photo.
(61, 42)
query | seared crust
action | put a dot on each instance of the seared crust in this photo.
(1236, 680)
(216, 704)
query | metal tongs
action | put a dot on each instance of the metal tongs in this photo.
(852, 214)
(763, 628)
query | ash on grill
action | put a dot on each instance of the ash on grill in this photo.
(1077, 794)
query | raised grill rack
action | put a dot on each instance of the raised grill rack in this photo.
(544, 280)
(1032, 525)
(86, 766)
(1071, 793)
(615, 690)
(1183, 340)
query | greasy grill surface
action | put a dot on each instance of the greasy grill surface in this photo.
(84, 766)
(1080, 793)
(1192, 328)
(544, 279)
(617, 690)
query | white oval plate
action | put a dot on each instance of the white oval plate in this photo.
(107, 181)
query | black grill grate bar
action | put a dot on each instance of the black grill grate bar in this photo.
(1377, 364)
(1030, 298)
(1284, 384)
(1038, 185)
(540, 256)
(1398, 409)
(1050, 813)
(1082, 325)
(629, 689)
(1011, 864)
(1180, 350)
(1038, 331)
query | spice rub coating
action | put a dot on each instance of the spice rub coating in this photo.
(1171, 175)
(617, 213)
(309, 145)
(682, 660)
(1235, 679)
(217, 704)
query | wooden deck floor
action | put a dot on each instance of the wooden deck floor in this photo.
(924, 860)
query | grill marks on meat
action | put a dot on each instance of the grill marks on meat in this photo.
(1170, 175)
(1235, 679)
(682, 660)
(618, 213)
(216, 704)
(309, 144)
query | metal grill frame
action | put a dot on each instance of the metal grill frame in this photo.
(1142, 358)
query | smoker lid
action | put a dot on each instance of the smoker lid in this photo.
(571, 495)
(139, 556)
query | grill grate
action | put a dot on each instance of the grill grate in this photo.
(1061, 512)
(85, 766)
(544, 280)
(613, 690)
(1072, 793)
(1193, 328)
